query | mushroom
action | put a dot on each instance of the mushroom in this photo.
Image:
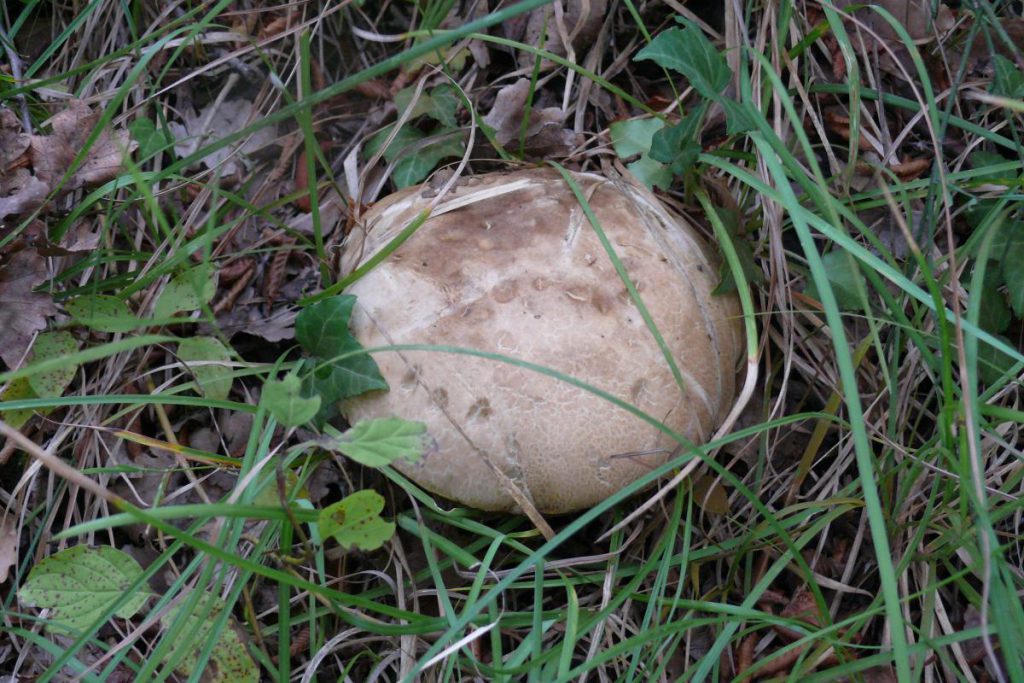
(509, 264)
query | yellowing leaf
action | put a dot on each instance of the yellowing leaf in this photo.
(710, 495)
(355, 521)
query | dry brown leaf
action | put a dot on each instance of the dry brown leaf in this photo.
(217, 121)
(53, 154)
(21, 193)
(14, 142)
(279, 325)
(9, 537)
(23, 312)
(581, 21)
(545, 135)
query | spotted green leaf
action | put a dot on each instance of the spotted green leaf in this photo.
(186, 291)
(80, 583)
(230, 661)
(102, 313)
(214, 380)
(50, 345)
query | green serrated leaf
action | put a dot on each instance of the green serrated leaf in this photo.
(843, 275)
(80, 583)
(17, 390)
(50, 345)
(283, 398)
(688, 51)
(186, 291)
(379, 442)
(355, 521)
(214, 380)
(230, 661)
(102, 313)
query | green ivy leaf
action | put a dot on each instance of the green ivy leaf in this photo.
(283, 398)
(355, 521)
(81, 583)
(679, 145)
(186, 291)
(151, 140)
(379, 442)
(440, 103)
(50, 345)
(633, 137)
(214, 380)
(230, 661)
(102, 313)
(688, 51)
(322, 330)
(415, 167)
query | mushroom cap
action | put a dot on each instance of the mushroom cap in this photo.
(509, 264)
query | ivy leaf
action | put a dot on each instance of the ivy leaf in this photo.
(322, 330)
(688, 51)
(214, 380)
(80, 583)
(283, 398)
(230, 661)
(355, 521)
(416, 166)
(102, 313)
(679, 145)
(379, 442)
(440, 103)
(633, 137)
(186, 291)
(50, 345)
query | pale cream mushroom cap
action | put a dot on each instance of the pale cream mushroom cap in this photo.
(509, 264)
